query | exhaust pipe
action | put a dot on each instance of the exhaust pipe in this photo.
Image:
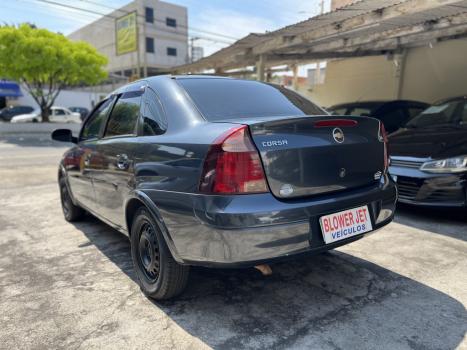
(264, 269)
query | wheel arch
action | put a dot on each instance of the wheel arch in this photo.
(61, 173)
(139, 199)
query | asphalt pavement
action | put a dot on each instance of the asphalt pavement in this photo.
(73, 286)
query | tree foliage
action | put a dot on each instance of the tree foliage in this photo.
(46, 62)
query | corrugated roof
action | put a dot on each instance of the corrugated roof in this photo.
(365, 27)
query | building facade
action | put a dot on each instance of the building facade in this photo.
(162, 38)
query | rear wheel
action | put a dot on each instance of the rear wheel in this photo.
(71, 212)
(159, 275)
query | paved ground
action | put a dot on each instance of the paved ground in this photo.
(72, 286)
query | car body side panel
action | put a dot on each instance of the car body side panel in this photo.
(79, 163)
(112, 184)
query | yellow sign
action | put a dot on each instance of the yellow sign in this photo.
(126, 34)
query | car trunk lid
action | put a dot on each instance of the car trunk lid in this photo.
(305, 156)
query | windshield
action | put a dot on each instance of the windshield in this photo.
(451, 113)
(364, 109)
(219, 99)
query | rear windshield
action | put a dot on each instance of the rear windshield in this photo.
(220, 99)
(363, 109)
(453, 113)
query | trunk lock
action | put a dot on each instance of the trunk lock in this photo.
(286, 190)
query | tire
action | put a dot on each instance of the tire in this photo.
(71, 212)
(160, 276)
(34, 120)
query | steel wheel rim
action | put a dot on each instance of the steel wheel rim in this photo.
(65, 200)
(148, 253)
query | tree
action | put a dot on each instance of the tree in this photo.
(46, 62)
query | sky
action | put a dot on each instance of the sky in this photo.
(232, 18)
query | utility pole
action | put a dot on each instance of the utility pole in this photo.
(192, 47)
(321, 5)
(318, 63)
(145, 59)
(138, 46)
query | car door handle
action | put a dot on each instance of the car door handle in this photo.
(123, 162)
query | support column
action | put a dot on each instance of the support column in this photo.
(295, 77)
(260, 68)
(399, 61)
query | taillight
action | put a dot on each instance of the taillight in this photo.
(383, 137)
(233, 166)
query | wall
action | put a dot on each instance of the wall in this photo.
(437, 73)
(430, 74)
(367, 78)
(165, 36)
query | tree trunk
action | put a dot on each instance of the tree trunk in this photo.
(45, 112)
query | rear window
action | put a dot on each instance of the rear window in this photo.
(360, 109)
(219, 99)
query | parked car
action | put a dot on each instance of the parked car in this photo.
(57, 115)
(9, 112)
(217, 172)
(81, 110)
(429, 156)
(393, 114)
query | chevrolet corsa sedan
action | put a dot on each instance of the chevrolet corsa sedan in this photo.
(222, 172)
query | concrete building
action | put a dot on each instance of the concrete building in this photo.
(162, 38)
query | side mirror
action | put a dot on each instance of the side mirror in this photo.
(64, 135)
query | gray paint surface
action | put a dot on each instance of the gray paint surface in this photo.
(72, 286)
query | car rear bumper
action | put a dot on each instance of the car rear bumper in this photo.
(425, 189)
(245, 230)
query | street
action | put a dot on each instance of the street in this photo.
(72, 285)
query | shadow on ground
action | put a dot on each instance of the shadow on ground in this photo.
(450, 222)
(333, 300)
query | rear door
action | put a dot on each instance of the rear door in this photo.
(85, 160)
(114, 179)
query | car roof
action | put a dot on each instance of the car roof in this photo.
(375, 103)
(169, 78)
(451, 99)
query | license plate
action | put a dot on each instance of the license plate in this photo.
(345, 224)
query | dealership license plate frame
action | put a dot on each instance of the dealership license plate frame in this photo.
(327, 236)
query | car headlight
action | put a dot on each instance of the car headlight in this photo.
(449, 165)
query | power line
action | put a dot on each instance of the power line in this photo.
(54, 3)
(110, 24)
(180, 25)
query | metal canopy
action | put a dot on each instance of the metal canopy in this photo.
(364, 28)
